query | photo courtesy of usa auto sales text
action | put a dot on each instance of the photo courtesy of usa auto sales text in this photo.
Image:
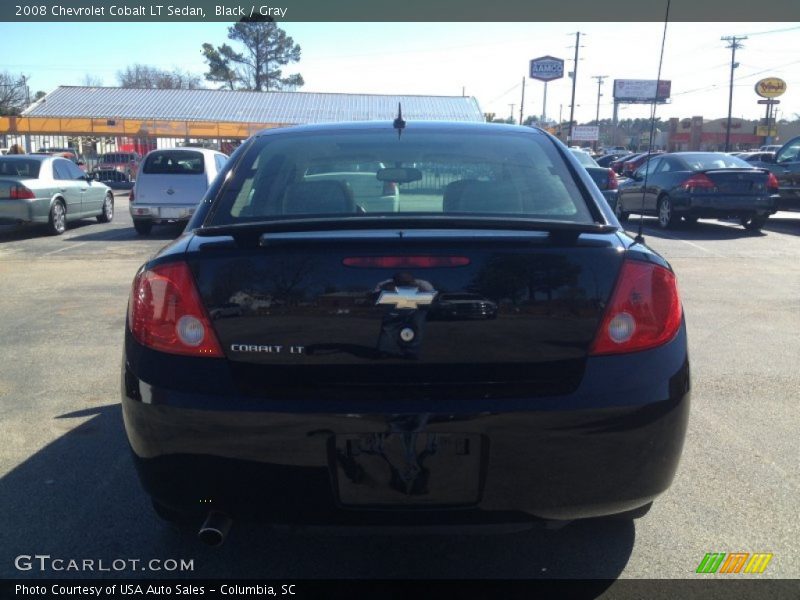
(135, 589)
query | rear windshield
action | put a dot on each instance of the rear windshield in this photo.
(341, 173)
(174, 162)
(702, 162)
(19, 167)
(584, 158)
(116, 158)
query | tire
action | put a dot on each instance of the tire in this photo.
(142, 226)
(57, 222)
(753, 223)
(690, 220)
(108, 210)
(666, 218)
(622, 216)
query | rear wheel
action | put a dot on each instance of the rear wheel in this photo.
(754, 223)
(622, 216)
(666, 218)
(142, 227)
(108, 210)
(57, 223)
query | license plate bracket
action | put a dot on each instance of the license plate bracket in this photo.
(408, 469)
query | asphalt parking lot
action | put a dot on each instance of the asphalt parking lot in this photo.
(68, 489)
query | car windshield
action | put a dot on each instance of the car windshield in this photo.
(427, 172)
(174, 162)
(20, 167)
(702, 162)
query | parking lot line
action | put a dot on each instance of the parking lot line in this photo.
(64, 248)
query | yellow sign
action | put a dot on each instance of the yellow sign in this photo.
(771, 87)
(763, 131)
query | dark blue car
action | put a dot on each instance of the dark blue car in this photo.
(699, 185)
(284, 359)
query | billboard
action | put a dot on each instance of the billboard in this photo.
(641, 90)
(585, 133)
(547, 68)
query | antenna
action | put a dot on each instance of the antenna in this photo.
(639, 239)
(399, 123)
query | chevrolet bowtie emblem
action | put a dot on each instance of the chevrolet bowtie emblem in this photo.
(406, 297)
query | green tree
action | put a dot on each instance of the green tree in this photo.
(257, 67)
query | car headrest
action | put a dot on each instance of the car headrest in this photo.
(319, 197)
(473, 196)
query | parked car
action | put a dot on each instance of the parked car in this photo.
(756, 158)
(604, 177)
(770, 148)
(606, 159)
(170, 184)
(692, 185)
(68, 153)
(36, 188)
(618, 150)
(342, 403)
(117, 167)
(616, 165)
(630, 165)
(785, 165)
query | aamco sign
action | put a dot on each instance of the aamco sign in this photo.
(771, 87)
(547, 68)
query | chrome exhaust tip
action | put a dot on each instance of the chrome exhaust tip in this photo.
(215, 528)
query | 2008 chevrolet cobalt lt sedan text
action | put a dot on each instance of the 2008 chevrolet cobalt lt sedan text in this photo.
(287, 357)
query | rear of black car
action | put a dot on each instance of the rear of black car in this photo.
(493, 351)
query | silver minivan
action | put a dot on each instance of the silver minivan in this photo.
(170, 184)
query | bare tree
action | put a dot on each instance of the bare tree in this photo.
(13, 93)
(90, 80)
(146, 76)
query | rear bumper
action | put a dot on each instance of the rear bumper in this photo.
(724, 206)
(19, 212)
(162, 213)
(611, 446)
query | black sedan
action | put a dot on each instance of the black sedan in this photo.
(281, 362)
(692, 185)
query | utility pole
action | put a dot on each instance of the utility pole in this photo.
(733, 45)
(512, 111)
(522, 102)
(597, 116)
(574, 79)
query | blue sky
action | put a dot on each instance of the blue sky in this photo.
(487, 60)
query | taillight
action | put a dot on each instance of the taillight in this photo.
(644, 312)
(405, 262)
(613, 184)
(698, 182)
(389, 188)
(20, 192)
(131, 196)
(165, 312)
(772, 182)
